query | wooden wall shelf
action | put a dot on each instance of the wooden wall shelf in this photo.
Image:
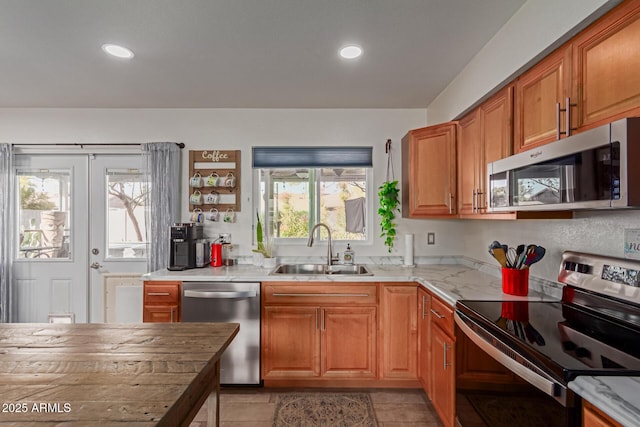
(223, 163)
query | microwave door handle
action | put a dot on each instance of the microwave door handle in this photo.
(220, 294)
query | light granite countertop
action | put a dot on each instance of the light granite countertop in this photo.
(452, 279)
(451, 282)
(618, 397)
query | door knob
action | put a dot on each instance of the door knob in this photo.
(96, 265)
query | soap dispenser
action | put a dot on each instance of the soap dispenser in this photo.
(348, 255)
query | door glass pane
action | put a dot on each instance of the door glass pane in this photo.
(127, 192)
(44, 214)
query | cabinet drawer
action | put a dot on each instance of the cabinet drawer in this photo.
(442, 315)
(161, 293)
(325, 294)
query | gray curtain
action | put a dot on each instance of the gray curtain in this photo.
(7, 241)
(163, 169)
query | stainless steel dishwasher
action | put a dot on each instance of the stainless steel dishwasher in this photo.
(229, 302)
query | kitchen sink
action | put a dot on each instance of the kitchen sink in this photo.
(322, 269)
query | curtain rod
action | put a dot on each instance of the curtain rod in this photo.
(179, 144)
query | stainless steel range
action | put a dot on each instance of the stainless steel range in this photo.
(593, 330)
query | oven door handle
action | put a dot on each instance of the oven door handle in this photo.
(220, 294)
(536, 378)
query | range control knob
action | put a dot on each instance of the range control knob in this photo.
(582, 268)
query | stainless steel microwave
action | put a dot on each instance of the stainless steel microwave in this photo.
(596, 169)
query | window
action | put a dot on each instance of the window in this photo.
(293, 199)
(43, 214)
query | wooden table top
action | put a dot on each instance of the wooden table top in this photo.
(150, 374)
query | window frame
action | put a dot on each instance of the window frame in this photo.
(320, 233)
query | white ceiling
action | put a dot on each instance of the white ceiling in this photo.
(239, 53)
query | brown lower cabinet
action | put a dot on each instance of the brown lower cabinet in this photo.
(319, 331)
(437, 354)
(161, 302)
(339, 334)
(594, 417)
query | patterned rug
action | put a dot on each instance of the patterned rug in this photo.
(324, 410)
(509, 410)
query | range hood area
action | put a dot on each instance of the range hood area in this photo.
(591, 170)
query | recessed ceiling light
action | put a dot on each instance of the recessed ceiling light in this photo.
(351, 51)
(117, 51)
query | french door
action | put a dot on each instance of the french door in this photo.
(79, 219)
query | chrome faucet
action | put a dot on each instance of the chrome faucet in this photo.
(310, 241)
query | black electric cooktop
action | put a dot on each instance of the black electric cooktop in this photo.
(563, 338)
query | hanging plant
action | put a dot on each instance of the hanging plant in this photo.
(388, 194)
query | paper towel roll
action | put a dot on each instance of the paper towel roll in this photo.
(408, 249)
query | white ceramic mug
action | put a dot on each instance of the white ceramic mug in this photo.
(213, 214)
(196, 198)
(211, 198)
(196, 215)
(229, 216)
(212, 180)
(196, 180)
(230, 180)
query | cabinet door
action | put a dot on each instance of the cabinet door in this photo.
(469, 143)
(290, 342)
(593, 417)
(161, 301)
(443, 371)
(537, 93)
(606, 67)
(160, 313)
(496, 116)
(399, 329)
(424, 341)
(429, 172)
(348, 343)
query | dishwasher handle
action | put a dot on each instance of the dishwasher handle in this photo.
(220, 294)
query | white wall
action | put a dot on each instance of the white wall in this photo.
(599, 232)
(230, 129)
(533, 31)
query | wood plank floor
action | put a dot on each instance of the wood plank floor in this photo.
(255, 408)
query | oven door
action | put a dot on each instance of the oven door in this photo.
(558, 395)
(496, 348)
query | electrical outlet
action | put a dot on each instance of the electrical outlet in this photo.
(431, 238)
(225, 238)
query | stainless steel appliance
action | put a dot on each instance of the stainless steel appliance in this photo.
(229, 302)
(596, 169)
(593, 330)
(184, 236)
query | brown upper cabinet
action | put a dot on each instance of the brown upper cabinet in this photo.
(538, 93)
(597, 71)
(429, 172)
(606, 63)
(484, 135)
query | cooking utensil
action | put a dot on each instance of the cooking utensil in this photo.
(500, 256)
(536, 255)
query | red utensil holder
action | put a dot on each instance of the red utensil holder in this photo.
(515, 281)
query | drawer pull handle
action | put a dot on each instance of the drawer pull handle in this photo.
(158, 294)
(438, 315)
(320, 295)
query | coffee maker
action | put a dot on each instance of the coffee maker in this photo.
(183, 245)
